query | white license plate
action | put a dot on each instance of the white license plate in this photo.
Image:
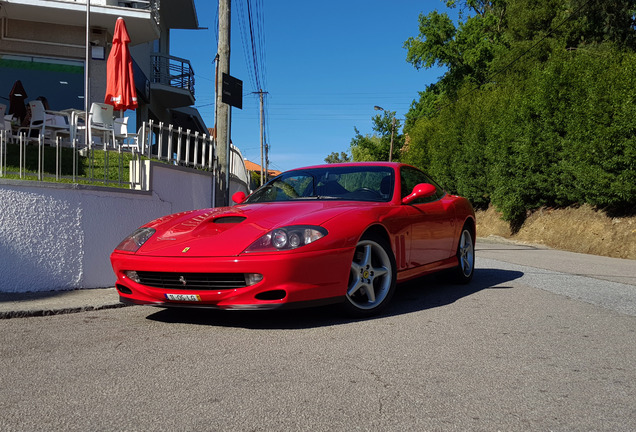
(183, 297)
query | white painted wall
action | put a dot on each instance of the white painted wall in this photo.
(59, 237)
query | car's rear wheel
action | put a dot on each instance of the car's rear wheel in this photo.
(465, 256)
(372, 277)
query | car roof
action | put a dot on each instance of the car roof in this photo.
(353, 164)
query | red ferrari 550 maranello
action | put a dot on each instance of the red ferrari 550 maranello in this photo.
(324, 234)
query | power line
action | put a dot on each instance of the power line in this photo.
(256, 53)
(255, 58)
(246, 53)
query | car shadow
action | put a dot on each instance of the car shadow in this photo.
(437, 290)
(417, 295)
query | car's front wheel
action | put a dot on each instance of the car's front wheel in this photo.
(372, 278)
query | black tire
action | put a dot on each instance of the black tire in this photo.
(466, 257)
(372, 279)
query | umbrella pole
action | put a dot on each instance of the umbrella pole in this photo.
(87, 88)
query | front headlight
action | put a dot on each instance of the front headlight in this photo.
(133, 242)
(287, 238)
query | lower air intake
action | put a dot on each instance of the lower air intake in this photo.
(271, 295)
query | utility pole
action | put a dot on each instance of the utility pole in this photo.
(267, 161)
(260, 93)
(222, 119)
(392, 132)
(263, 167)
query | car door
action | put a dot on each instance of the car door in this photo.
(432, 220)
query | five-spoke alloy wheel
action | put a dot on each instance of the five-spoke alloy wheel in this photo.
(465, 256)
(372, 278)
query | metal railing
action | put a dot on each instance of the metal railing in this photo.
(151, 5)
(172, 71)
(176, 146)
(103, 163)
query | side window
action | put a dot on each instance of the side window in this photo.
(410, 177)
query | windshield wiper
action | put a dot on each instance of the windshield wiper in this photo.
(316, 197)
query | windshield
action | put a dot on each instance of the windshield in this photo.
(351, 183)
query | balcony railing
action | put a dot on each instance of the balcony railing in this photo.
(151, 5)
(172, 71)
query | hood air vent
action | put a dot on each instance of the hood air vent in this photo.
(229, 219)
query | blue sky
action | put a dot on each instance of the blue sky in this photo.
(325, 65)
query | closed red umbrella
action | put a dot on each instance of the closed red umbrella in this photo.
(16, 101)
(120, 82)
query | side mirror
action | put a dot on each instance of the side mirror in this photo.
(239, 197)
(422, 190)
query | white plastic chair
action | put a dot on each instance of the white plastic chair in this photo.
(101, 122)
(5, 124)
(128, 140)
(121, 126)
(3, 111)
(47, 123)
(5, 129)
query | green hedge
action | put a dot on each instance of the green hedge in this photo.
(564, 135)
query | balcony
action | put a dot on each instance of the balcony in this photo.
(142, 17)
(171, 81)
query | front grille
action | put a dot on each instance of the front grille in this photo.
(192, 281)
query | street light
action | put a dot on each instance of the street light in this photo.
(377, 108)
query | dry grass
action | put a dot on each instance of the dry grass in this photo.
(581, 229)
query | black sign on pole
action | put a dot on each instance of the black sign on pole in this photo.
(232, 91)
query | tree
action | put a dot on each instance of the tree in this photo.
(465, 50)
(598, 21)
(536, 107)
(337, 158)
(376, 147)
(366, 148)
(428, 105)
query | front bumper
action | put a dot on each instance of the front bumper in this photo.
(292, 279)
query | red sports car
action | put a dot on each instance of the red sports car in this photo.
(338, 233)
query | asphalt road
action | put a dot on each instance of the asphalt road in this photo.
(541, 340)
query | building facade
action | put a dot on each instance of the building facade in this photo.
(43, 45)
